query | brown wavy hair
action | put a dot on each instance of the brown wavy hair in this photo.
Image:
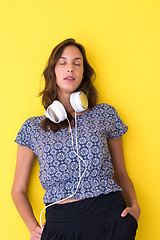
(49, 93)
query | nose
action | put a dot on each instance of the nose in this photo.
(70, 68)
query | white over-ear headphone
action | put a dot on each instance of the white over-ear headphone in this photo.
(56, 111)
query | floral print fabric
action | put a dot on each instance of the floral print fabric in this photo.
(59, 168)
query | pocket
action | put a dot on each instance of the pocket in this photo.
(43, 237)
(133, 220)
(48, 232)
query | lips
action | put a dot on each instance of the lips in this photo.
(69, 78)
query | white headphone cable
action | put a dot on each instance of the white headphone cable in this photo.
(80, 176)
(79, 162)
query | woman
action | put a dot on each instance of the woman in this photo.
(76, 156)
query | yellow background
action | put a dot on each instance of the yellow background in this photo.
(122, 39)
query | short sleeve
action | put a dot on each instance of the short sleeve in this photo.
(115, 126)
(24, 135)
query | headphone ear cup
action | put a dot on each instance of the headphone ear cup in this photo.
(56, 112)
(79, 101)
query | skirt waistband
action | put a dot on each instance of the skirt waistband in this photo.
(86, 208)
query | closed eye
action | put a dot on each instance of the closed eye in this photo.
(62, 63)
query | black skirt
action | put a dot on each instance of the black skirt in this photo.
(97, 218)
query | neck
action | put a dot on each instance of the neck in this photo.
(65, 100)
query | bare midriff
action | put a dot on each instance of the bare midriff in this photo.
(69, 201)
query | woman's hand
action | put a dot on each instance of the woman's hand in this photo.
(37, 233)
(134, 211)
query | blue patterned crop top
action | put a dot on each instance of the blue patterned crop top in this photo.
(59, 168)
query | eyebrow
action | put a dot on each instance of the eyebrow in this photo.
(74, 58)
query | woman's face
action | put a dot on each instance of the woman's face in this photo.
(69, 70)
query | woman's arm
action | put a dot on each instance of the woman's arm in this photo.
(122, 178)
(25, 160)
